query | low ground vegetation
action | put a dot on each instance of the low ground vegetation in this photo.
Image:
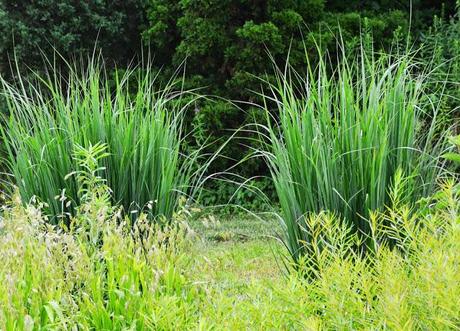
(106, 273)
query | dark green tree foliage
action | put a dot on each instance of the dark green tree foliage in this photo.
(29, 28)
(226, 41)
(226, 44)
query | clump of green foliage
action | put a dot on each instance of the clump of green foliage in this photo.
(342, 140)
(140, 123)
(103, 272)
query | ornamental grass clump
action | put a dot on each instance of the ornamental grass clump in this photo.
(140, 123)
(340, 137)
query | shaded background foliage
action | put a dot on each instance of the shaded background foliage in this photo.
(29, 29)
(225, 43)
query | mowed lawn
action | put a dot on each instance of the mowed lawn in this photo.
(234, 250)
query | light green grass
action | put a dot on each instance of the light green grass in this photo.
(235, 227)
(237, 250)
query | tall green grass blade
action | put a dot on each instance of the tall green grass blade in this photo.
(140, 123)
(340, 138)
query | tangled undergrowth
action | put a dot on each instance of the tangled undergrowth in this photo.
(104, 273)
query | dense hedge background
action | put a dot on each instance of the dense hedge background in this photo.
(225, 43)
